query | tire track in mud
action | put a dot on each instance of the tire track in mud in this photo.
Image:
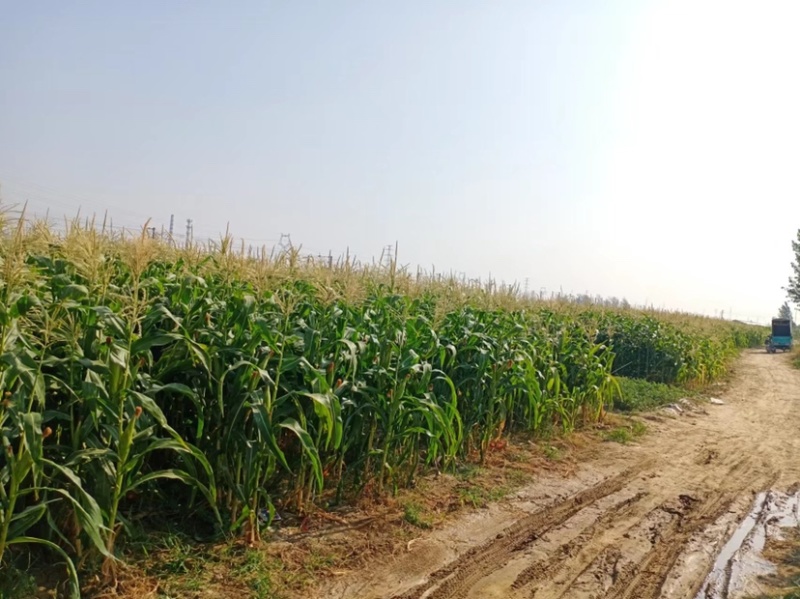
(658, 536)
(606, 569)
(768, 481)
(591, 566)
(645, 578)
(542, 569)
(455, 580)
(730, 571)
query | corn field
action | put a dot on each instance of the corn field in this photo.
(135, 375)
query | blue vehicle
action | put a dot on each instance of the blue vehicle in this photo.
(781, 338)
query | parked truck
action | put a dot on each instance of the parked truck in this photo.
(781, 337)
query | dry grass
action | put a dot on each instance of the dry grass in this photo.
(303, 553)
(785, 554)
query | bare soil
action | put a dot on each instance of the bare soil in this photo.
(635, 521)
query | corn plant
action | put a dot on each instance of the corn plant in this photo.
(223, 387)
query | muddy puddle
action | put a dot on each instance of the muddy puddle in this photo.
(740, 564)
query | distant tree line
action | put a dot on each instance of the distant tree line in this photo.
(793, 289)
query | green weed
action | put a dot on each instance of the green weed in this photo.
(552, 453)
(178, 557)
(618, 435)
(518, 477)
(413, 514)
(626, 434)
(257, 571)
(467, 471)
(638, 395)
(16, 584)
(478, 497)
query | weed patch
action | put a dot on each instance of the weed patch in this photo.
(479, 497)
(413, 513)
(627, 433)
(552, 453)
(16, 584)
(637, 395)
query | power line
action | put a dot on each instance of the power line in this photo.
(386, 256)
(64, 200)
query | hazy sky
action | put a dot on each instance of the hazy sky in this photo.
(646, 149)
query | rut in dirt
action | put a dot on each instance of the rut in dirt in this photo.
(652, 531)
(456, 579)
(645, 579)
(634, 561)
(540, 570)
(740, 563)
(633, 564)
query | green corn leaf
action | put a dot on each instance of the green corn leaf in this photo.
(177, 474)
(200, 353)
(74, 292)
(189, 393)
(308, 447)
(147, 343)
(328, 409)
(22, 522)
(86, 508)
(264, 426)
(149, 405)
(25, 304)
(32, 426)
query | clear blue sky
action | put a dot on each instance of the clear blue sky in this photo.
(647, 149)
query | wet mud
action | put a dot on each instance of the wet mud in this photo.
(741, 564)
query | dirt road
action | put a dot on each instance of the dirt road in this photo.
(637, 522)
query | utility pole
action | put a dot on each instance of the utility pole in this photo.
(387, 254)
(171, 228)
(189, 231)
